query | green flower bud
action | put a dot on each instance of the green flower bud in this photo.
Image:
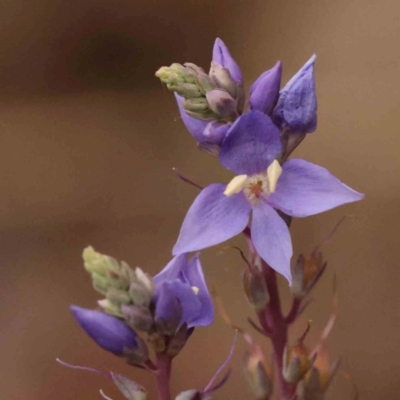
(118, 297)
(255, 289)
(197, 105)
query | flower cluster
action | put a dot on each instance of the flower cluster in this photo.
(141, 314)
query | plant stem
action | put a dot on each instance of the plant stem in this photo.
(162, 376)
(272, 320)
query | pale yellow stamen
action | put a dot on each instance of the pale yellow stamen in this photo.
(235, 185)
(195, 289)
(274, 171)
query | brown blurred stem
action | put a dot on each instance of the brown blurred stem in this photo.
(162, 376)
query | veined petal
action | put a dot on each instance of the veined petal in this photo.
(251, 145)
(194, 275)
(222, 56)
(193, 125)
(213, 218)
(271, 238)
(306, 189)
(107, 331)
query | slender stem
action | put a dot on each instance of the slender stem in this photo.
(162, 376)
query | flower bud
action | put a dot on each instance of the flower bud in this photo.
(192, 394)
(306, 272)
(107, 331)
(140, 294)
(257, 377)
(130, 389)
(255, 289)
(205, 83)
(138, 317)
(198, 105)
(118, 297)
(222, 103)
(216, 131)
(264, 92)
(138, 356)
(222, 56)
(223, 78)
(296, 363)
(178, 341)
(296, 109)
(157, 342)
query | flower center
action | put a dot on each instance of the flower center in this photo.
(257, 186)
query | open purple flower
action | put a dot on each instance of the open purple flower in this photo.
(181, 294)
(298, 188)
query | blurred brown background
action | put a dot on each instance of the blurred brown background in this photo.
(88, 140)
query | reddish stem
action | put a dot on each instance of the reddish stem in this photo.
(272, 320)
(162, 376)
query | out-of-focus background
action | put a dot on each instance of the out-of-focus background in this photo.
(88, 140)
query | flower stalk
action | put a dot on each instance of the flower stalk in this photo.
(162, 374)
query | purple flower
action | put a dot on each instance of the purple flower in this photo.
(298, 188)
(108, 332)
(182, 295)
(297, 104)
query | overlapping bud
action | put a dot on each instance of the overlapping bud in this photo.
(296, 362)
(257, 376)
(255, 289)
(306, 273)
(209, 97)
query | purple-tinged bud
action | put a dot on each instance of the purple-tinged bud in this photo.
(222, 56)
(223, 78)
(108, 332)
(138, 317)
(222, 103)
(205, 83)
(296, 363)
(306, 273)
(216, 131)
(168, 313)
(178, 341)
(257, 376)
(157, 342)
(255, 289)
(138, 356)
(264, 92)
(296, 109)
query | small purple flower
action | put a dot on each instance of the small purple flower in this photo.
(296, 109)
(298, 188)
(181, 293)
(109, 332)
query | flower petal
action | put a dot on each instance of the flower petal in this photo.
(194, 275)
(271, 238)
(306, 189)
(172, 270)
(297, 104)
(193, 125)
(107, 331)
(264, 92)
(213, 218)
(251, 144)
(222, 56)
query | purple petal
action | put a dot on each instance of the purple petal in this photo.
(251, 144)
(215, 132)
(307, 189)
(172, 270)
(168, 311)
(190, 302)
(194, 275)
(297, 104)
(108, 332)
(271, 238)
(193, 125)
(222, 56)
(213, 218)
(264, 92)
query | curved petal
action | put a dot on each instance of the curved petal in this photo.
(264, 92)
(271, 238)
(193, 125)
(222, 56)
(194, 274)
(212, 219)
(306, 189)
(108, 332)
(172, 270)
(251, 144)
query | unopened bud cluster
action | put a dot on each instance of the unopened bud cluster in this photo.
(209, 97)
